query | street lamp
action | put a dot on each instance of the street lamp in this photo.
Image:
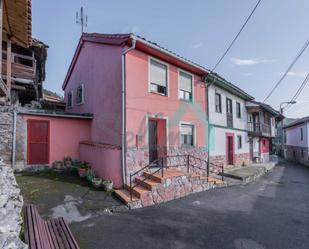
(282, 133)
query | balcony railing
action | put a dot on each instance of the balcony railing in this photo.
(259, 128)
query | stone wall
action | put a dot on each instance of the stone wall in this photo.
(297, 154)
(6, 133)
(11, 203)
(137, 158)
(242, 159)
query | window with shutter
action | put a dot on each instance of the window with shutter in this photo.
(187, 134)
(158, 77)
(185, 86)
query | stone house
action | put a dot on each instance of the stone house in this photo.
(296, 141)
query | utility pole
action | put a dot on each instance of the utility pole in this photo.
(81, 19)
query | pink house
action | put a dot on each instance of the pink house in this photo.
(146, 101)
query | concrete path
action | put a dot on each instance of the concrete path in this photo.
(270, 213)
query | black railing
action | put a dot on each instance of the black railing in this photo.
(177, 161)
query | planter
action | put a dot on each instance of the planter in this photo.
(82, 172)
(68, 163)
(97, 182)
(108, 185)
(58, 166)
(89, 177)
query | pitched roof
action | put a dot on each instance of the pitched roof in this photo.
(297, 122)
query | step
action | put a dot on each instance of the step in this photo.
(193, 175)
(156, 177)
(148, 183)
(138, 191)
(124, 195)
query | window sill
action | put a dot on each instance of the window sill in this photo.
(80, 103)
(161, 94)
(187, 101)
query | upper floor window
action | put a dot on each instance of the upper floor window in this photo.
(218, 102)
(158, 77)
(238, 110)
(301, 134)
(70, 99)
(185, 86)
(80, 94)
(229, 107)
(187, 134)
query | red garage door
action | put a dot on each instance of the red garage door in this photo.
(38, 141)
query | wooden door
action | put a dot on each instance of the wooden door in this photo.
(153, 140)
(38, 141)
(230, 150)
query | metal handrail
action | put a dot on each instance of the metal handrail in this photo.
(188, 164)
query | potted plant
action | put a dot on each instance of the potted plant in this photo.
(82, 169)
(58, 166)
(96, 182)
(90, 174)
(67, 161)
(108, 185)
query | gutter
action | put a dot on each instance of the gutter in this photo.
(123, 111)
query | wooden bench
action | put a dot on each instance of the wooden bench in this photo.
(46, 234)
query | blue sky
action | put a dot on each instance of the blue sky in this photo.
(199, 30)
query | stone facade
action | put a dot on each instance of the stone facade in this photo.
(11, 203)
(297, 154)
(6, 135)
(137, 158)
(242, 159)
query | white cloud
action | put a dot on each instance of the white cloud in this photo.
(297, 74)
(246, 62)
(196, 45)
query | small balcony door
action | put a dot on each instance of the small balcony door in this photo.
(229, 113)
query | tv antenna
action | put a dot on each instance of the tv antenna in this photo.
(81, 19)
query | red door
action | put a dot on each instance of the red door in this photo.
(230, 149)
(38, 141)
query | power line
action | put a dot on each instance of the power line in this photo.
(235, 38)
(288, 69)
(298, 92)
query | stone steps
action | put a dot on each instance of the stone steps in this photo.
(157, 188)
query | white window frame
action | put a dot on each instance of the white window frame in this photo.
(178, 77)
(83, 94)
(219, 93)
(154, 116)
(194, 132)
(72, 99)
(240, 114)
(168, 76)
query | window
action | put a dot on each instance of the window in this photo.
(301, 134)
(80, 94)
(158, 77)
(218, 103)
(238, 111)
(185, 86)
(187, 134)
(303, 153)
(239, 142)
(229, 108)
(70, 99)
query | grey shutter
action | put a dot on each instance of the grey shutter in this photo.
(185, 82)
(158, 73)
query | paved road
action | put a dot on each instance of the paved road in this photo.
(270, 213)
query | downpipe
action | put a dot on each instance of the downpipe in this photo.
(14, 139)
(123, 111)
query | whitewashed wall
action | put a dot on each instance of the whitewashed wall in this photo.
(293, 135)
(217, 141)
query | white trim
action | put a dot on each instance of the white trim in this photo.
(83, 94)
(192, 76)
(167, 74)
(194, 131)
(148, 116)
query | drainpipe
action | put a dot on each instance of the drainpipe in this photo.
(123, 112)
(14, 138)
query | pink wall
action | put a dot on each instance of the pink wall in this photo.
(105, 162)
(139, 102)
(98, 67)
(65, 135)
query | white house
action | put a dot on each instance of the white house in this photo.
(296, 141)
(228, 135)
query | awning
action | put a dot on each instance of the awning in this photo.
(17, 21)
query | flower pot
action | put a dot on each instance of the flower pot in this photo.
(96, 182)
(81, 172)
(68, 163)
(89, 177)
(58, 166)
(108, 185)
